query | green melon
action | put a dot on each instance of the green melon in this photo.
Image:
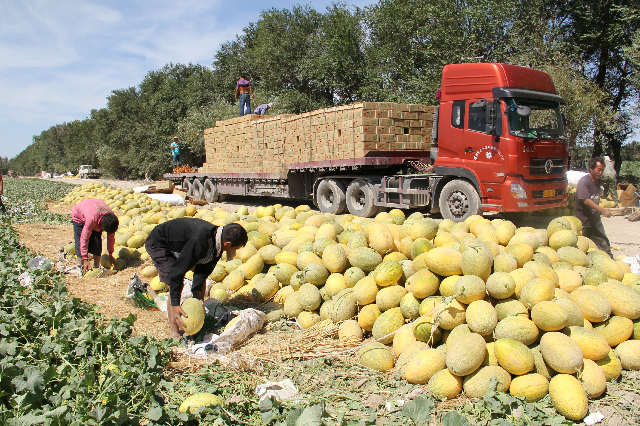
(476, 262)
(419, 246)
(390, 297)
(549, 316)
(573, 255)
(388, 273)
(309, 297)
(343, 306)
(334, 258)
(518, 328)
(469, 288)
(466, 354)
(386, 325)
(514, 356)
(478, 383)
(625, 302)
(376, 356)
(364, 258)
(316, 273)
(561, 352)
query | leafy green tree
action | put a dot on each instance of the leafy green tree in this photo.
(600, 31)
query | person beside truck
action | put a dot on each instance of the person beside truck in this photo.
(588, 208)
(185, 244)
(90, 217)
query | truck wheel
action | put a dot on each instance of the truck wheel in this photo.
(361, 199)
(197, 190)
(186, 185)
(331, 196)
(210, 192)
(459, 200)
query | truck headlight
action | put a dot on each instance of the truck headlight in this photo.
(517, 191)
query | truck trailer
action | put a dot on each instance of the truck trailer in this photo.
(495, 143)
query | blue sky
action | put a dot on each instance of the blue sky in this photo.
(60, 59)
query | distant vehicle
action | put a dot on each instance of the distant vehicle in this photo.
(88, 172)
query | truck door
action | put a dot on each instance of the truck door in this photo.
(484, 149)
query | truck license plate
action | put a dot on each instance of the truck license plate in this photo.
(549, 193)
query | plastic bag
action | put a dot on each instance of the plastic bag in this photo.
(609, 171)
(249, 322)
(573, 176)
(42, 263)
(634, 263)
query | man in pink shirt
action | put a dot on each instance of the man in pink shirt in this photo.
(91, 217)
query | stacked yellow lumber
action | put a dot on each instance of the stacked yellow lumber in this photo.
(268, 144)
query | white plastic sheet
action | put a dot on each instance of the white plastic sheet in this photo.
(573, 176)
(634, 263)
(174, 199)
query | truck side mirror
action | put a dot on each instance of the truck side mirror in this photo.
(492, 119)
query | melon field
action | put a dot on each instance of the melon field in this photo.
(395, 320)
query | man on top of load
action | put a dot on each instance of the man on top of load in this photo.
(588, 209)
(185, 244)
(262, 109)
(175, 152)
(244, 92)
(91, 217)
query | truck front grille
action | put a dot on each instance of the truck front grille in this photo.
(545, 166)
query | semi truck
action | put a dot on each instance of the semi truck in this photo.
(497, 144)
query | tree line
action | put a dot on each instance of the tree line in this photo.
(394, 50)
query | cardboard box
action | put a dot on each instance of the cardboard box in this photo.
(165, 186)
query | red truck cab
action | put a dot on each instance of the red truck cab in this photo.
(499, 127)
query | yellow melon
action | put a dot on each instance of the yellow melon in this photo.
(568, 396)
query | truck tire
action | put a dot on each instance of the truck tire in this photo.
(187, 186)
(361, 199)
(210, 191)
(331, 196)
(197, 190)
(459, 200)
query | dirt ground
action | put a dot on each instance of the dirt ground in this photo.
(108, 293)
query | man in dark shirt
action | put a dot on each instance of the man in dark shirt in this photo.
(244, 92)
(184, 244)
(588, 209)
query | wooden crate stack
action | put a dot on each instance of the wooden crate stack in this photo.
(268, 144)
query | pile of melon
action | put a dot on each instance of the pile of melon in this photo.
(450, 305)
(138, 215)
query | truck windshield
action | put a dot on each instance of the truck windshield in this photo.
(545, 120)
